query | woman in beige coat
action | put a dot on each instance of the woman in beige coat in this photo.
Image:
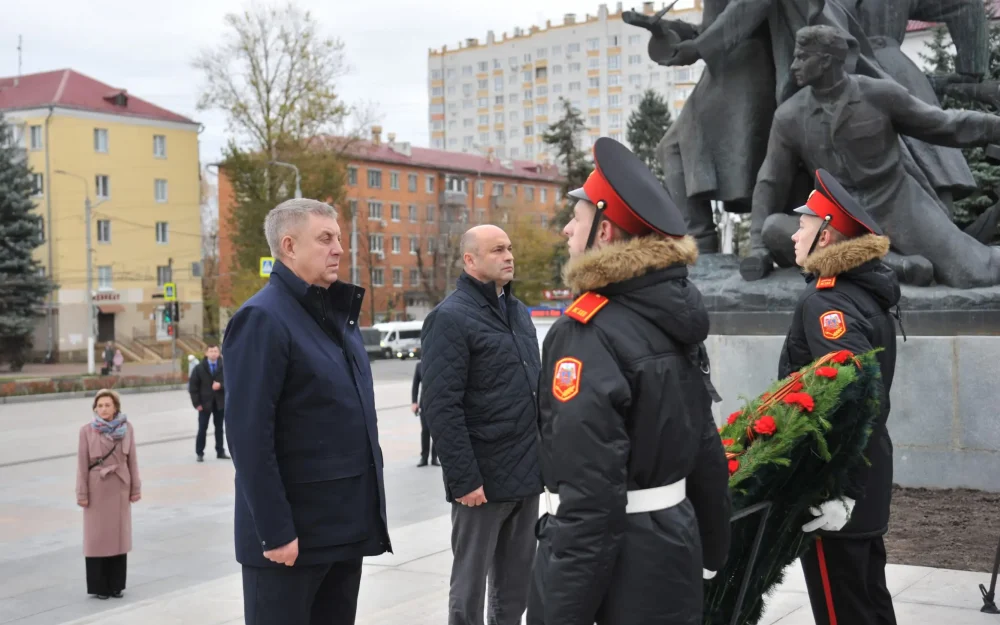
(107, 484)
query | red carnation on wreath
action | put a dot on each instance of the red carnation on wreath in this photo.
(803, 400)
(728, 441)
(841, 356)
(733, 417)
(796, 387)
(826, 372)
(734, 466)
(765, 425)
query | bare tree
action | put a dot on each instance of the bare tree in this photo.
(274, 76)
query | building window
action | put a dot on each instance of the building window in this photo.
(36, 137)
(161, 191)
(430, 213)
(414, 277)
(414, 244)
(104, 278)
(164, 274)
(374, 179)
(101, 140)
(352, 176)
(352, 208)
(354, 275)
(374, 210)
(614, 100)
(375, 242)
(430, 184)
(614, 80)
(396, 244)
(104, 231)
(39, 183)
(634, 40)
(545, 221)
(480, 188)
(431, 241)
(397, 277)
(159, 146)
(542, 195)
(378, 277)
(594, 62)
(529, 194)
(413, 213)
(162, 232)
(394, 180)
(411, 183)
(394, 212)
(613, 41)
(102, 187)
(594, 82)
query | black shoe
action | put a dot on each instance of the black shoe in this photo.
(201, 458)
(102, 597)
(422, 463)
(222, 456)
(435, 462)
(117, 594)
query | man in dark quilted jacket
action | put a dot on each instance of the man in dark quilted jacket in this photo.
(480, 374)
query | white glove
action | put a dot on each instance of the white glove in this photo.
(831, 516)
(705, 573)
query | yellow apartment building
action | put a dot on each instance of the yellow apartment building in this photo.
(138, 165)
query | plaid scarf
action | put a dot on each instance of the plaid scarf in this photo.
(115, 428)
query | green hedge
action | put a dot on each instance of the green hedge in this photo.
(69, 385)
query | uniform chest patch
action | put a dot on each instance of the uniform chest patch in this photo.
(566, 379)
(833, 325)
(826, 283)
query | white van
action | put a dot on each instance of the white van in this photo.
(399, 339)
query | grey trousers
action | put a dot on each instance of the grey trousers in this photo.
(494, 541)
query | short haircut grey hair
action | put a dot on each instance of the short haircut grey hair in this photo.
(825, 39)
(289, 215)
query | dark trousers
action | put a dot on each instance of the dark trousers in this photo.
(324, 594)
(494, 542)
(846, 582)
(106, 575)
(203, 416)
(425, 439)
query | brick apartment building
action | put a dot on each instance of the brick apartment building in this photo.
(411, 206)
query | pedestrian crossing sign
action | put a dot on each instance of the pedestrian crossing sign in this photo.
(266, 263)
(170, 292)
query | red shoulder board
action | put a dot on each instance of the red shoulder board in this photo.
(826, 283)
(586, 306)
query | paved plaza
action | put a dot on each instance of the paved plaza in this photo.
(182, 568)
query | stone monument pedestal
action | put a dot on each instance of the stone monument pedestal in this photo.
(945, 417)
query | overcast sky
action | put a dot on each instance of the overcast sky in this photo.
(149, 50)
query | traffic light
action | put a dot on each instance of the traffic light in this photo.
(177, 312)
(170, 330)
(168, 313)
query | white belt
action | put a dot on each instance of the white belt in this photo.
(645, 500)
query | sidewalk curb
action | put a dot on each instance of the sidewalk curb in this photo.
(24, 399)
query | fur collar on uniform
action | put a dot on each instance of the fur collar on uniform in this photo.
(846, 255)
(624, 260)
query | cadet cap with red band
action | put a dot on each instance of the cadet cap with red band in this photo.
(831, 199)
(628, 193)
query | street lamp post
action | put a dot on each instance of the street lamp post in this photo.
(298, 188)
(91, 320)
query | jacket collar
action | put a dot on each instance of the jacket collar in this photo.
(343, 297)
(485, 293)
(846, 255)
(626, 260)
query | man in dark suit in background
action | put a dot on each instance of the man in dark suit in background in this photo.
(208, 396)
(425, 430)
(300, 413)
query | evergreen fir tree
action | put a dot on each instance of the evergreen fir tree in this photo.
(646, 126)
(564, 137)
(23, 286)
(941, 57)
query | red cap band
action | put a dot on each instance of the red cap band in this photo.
(839, 219)
(599, 190)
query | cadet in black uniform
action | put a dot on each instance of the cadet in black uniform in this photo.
(635, 472)
(847, 307)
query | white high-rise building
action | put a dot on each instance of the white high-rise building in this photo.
(503, 94)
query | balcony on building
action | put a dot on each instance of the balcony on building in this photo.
(456, 191)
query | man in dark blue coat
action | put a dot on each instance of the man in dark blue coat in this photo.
(302, 431)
